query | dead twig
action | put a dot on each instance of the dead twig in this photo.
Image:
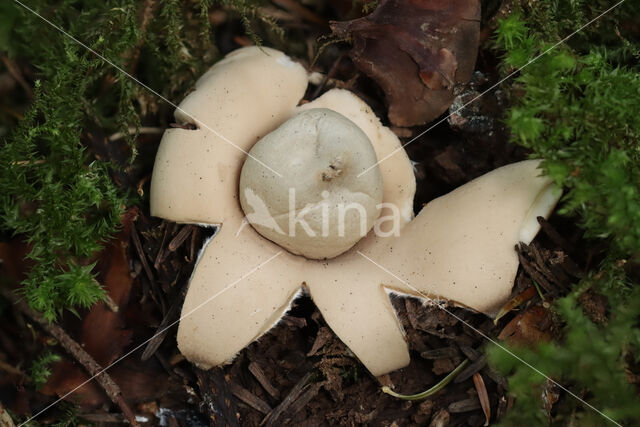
(300, 10)
(293, 395)
(142, 130)
(250, 399)
(440, 353)
(162, 253)
(156, 294)
(74, 349)
(162, 330)
(259, 375)
(466, 405)
(4, 366)
(531, 270)
(332, 72)
(180, 238)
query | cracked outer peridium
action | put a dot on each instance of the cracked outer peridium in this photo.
(460, 246)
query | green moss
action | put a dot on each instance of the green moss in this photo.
(576, 107)
(54, 192)
(40, 369)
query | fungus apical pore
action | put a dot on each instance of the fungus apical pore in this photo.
(318, 206)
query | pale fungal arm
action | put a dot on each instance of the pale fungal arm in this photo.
(460, 247)
(355, 305)
(239, 100)
(241, 286)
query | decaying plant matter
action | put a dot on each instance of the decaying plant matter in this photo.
(417, 51)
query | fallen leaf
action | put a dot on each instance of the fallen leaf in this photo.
(528, 327)
(483, 396)
(417, 51)
(103, 332)
(138, 381)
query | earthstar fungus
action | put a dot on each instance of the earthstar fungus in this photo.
(459, 247)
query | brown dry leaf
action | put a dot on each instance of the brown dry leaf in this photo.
(103, 334)
(528, 327)
(514, 302)
(483, 396)
(417, 51)
(138, 381)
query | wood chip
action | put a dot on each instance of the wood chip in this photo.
(502, 408)
(465, 405)
(162, 254)
(301, 402)
(541, 265)
(474, 367)
(440, 353)
(483, 396)
(531, 270)
(7, 421)
(294, 322)
(323, 337)
(180, 238)
(442, 366)
(259, 375)
(295, 392)
(440, 419)
(249, 398)
(217, 401)
(161, 331)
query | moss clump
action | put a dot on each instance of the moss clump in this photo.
(577, 108)
(54, 192)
